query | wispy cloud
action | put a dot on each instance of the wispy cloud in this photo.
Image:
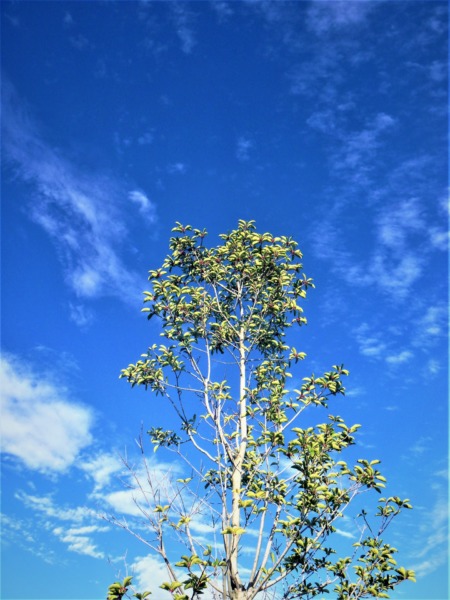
(183, 19)
(355, 392)
(119, 489)
(380, 346)
(319, 77)
(400, 357)
(80, 315)
(422, 445)
(394, 265)
(432, 328)
(345, 534)
(71, 522)
(370, 344)
(146, 207)
(78, 541)
(32, 405)
(355, 151)
(328, 15)
(243, 147)
(22, 533)
(80, 211)
(145, 139)
(127, 502)
(80, 42)
(431, 552)
(355, 157)
(223, 9)
(150, 572)
(49, 508)
(101, 468)
(394, 275)
(141, 488)
(68, 19)
(177, 168)
(395, 223)
(433, 367)
(435, 321)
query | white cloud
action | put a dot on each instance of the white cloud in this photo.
(438, 71)
(47, 506)
(80, 42)
(345, 534)
(77, 536)
(145, 485)
(431, 330)
(80, 315)
(421, 446)
(323, 120)
(223, 9)
(39, 425)
(396, 222)
(355, 392)
(320, 76)
(149, 573)
(402, 214)
(79, 211)
(373, 345)
(435, 321)
(78, 541)
(431, 552)
(243, 147)
(396, 274)
(400, 358)
(415, 218)
(146, 207)
(439, 238)
(68, 19)
(183, 23)
(369, 344)
(101, 468)
(21, 533)
(177, 168)
(326, 15)
(127, 502)
(145, 139)
(357, 152)
(391, 270)
(433, 367)
(201, 525)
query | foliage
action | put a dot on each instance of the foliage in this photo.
(225, 367)
(118, 590)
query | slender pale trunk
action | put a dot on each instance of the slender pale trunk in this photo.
(236, 479)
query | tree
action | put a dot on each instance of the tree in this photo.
(255, 466)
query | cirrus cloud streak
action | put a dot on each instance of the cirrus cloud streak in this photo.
(81, 212)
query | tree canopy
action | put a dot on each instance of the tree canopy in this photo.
(268, 488)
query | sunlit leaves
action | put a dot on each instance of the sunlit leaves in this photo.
(118, 590)
(165, 438)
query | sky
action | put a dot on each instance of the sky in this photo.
(324, 121)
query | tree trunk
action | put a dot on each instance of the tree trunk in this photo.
(236, 479)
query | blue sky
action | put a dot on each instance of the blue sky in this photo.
(324, 121)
